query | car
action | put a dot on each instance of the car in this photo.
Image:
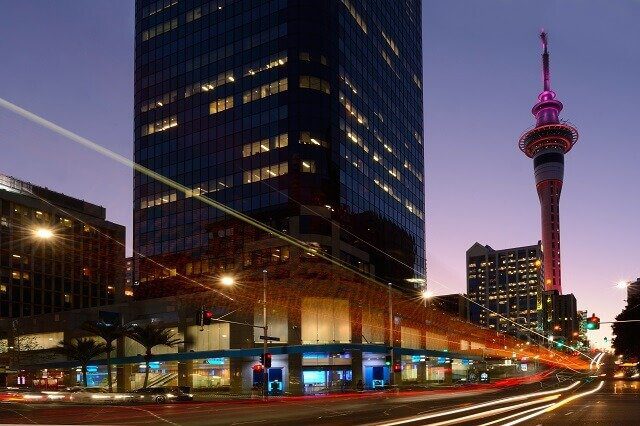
(12, 394)
(164, 394)
(96, 395)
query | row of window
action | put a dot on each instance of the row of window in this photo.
(265, 90)
(160, 29)
(268, 172)
(265, 145)
(159, 125)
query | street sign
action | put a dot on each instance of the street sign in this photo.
(273, 339)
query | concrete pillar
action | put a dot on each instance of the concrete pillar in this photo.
(185, 373)
(356, 369)
(422, 372)
(123, 377)
(295, 385)
(235, 379)
(448, 374)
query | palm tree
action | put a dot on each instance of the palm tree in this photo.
(151, 336)
(82, 350)
(109, 333)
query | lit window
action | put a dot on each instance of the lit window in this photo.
(265, 90)
(268, 172)
(160, 29)
(160, 125)
(220, 105)
(307, 139)
(314, 83)
(308, 166)
(265, 145)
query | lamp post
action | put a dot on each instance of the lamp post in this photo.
(391, 381)
(229, 281)
(266, 334)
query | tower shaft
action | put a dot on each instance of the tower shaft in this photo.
(549, 195)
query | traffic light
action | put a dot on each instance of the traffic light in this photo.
(204, 317)
(593, 323)
(397, 368)
(388, 360)
(265, 360)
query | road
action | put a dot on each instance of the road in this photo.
(570, 397)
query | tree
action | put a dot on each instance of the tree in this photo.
(626, 340)
(151, 336)
(82, 350)
(109, 333)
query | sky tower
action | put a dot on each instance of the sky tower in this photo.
(547, 143)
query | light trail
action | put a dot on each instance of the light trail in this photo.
(477, 406)
(555, 406)
(489, 413)
(515, 415)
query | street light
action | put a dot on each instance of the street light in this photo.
(227, 280)
(426, 295)
(43, 233)
(622, 285)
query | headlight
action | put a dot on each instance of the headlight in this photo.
(31, 396)
(170, 395)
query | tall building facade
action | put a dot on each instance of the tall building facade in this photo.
(505, 288)
(307, 116)
(547, 143)
(562, 320)
(56, 252)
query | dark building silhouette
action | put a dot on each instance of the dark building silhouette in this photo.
(304, 115)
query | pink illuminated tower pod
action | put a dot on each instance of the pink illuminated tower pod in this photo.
(547, 143)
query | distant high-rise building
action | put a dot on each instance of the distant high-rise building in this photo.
(305, 115)
(56, 252)
(505, 288)
(547, 143)
(561, 317)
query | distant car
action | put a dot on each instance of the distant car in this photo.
(96, 395)
(164, 394)
(11, 394)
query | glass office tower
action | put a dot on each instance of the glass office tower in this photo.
(306, 115)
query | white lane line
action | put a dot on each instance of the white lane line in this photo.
(475, 407)
(554, 406)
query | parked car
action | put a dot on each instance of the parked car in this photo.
(164, 394)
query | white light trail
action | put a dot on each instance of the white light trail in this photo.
(489, 413)
(555, 406)
(477, 406)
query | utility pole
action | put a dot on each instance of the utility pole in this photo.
(265, 384)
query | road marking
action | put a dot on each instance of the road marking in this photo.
(569, 413)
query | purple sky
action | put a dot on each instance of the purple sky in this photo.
(71, 62)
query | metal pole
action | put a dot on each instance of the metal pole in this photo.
(391, 381)
(265, 385)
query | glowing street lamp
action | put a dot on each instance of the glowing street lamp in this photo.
(426, 294)
(227, 280)
(43, 233)
(622, 285)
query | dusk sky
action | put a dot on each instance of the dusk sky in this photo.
(71, 61)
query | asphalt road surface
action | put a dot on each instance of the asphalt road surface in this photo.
(563, 398)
